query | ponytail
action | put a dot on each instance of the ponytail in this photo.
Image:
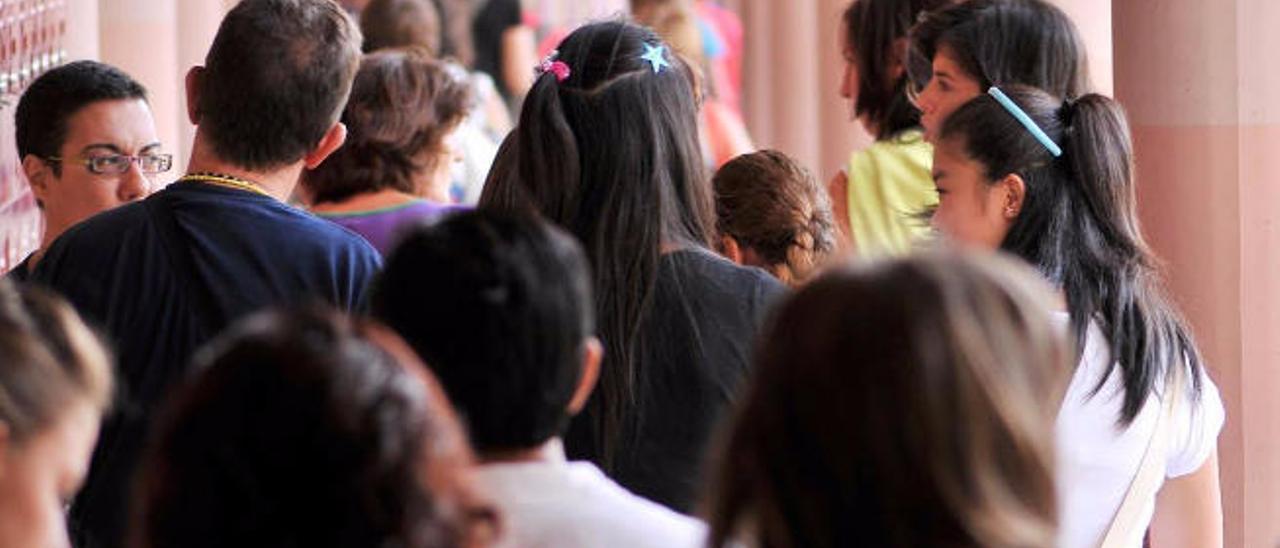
(1079, 226)
(537, 163)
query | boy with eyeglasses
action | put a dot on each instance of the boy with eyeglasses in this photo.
(87, 142)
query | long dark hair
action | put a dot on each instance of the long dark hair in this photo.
(611, 154)
(1079, 226)
(846, 436)
(872, 30)
(1003, 42)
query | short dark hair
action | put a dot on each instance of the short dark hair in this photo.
(872, 30)
(773, 205)
(499, 305)
(276, 79)
(1004, 42)
(303, 428)
(402, 104)
(53, 98)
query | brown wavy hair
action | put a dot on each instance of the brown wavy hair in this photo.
(769, 203)
(906, 403)
(402, 105)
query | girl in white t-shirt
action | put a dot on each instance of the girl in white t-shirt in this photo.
(1052, 182)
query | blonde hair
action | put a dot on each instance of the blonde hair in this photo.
(677, 23)
(909, 403)
(49, 360)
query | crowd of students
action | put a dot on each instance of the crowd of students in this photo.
(962, 340)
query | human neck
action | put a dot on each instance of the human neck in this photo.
(52, 229)
(278, 183)
(552, 451)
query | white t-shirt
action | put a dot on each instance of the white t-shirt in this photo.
(573, 505)
(1097, 459)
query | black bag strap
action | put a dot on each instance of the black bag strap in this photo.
(203, 305)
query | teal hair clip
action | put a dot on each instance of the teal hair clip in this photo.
(1021, 116)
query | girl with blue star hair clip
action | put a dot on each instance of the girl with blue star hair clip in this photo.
(611, 153)
(1052, 182)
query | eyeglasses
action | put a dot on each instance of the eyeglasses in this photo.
(117, 164)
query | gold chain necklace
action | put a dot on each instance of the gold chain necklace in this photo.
(228, 181)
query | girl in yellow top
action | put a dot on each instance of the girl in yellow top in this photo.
(878, 197)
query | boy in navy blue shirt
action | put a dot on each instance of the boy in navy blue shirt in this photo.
(166, 274)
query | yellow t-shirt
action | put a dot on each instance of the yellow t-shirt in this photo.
(889, 185)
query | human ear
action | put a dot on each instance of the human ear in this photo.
(730, 249)
(897, 62)
(4, 448)
(37, 172)
(332, 139)
(592, 354)
(1013, 191)
(193, 81)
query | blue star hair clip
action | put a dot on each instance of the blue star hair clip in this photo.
(656, 57)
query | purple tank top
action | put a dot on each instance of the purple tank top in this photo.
(381, 227)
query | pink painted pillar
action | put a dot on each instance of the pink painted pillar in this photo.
(1093, 19)
(1259, 88)
(198, 22)
(1200, 88)
(83, 36)
(781, 86)
(839, 133)
(791, 86)
(141, 37)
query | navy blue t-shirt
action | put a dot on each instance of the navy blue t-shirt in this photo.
(247, 251)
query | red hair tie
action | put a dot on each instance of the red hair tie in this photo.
(558, 68)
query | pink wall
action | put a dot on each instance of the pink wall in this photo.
(1259, 88)
(32, 39)
(1207, 129)
(1093, 19)
(141, 37)
(792, 71)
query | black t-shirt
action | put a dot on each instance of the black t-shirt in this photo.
(247, 250)
(694, 354)
(490, 23)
